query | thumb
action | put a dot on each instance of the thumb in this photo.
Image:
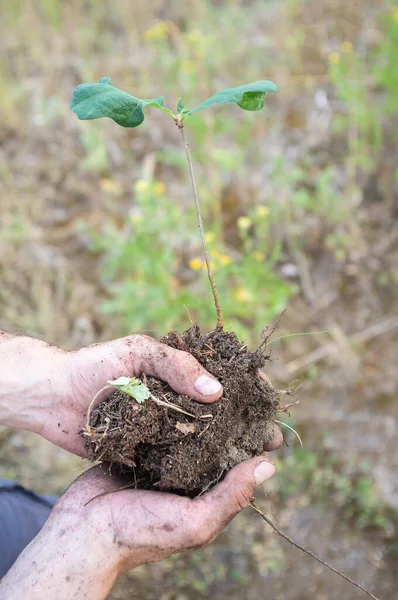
(136, 355)
(235, 492)
(179, 369)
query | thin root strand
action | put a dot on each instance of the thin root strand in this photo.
(306, 551)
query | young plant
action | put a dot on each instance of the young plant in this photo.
(137, 390)
(95, 100)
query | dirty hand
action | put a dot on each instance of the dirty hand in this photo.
(83, 548)
(47, 390)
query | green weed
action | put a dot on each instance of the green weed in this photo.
(151, 279)
(360, 118)
(322, 479)
(386, 59)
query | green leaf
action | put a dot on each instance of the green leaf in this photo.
(248, 97)
(140, 392)
(95, 100)
(180, 105)
(121, 381)
(133, 387)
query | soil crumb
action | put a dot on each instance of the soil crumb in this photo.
(167, 450)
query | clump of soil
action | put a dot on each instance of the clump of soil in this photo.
(167, 450)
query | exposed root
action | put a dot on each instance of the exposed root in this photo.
(124, 487)
(87, 429)
(306, 551)
(209, 335)
(285, 407)
(291, 429)
(178, 409)
(267, 333)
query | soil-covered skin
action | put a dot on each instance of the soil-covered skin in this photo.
(165, 449)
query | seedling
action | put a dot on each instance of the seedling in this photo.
(184, 471)
(96, 100)
(137, 390)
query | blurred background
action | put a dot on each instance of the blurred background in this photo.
(98, 239)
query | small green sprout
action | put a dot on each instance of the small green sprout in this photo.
(133, 387)
(136, 389)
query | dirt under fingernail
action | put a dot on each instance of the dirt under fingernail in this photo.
(167, 450)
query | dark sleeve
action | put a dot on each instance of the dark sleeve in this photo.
(22, 515)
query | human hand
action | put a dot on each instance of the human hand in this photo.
(87, 544)
(48, 390)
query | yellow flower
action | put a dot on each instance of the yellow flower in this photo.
(259, 256)
(225, 260)
(159, 188)
(196, 264)
(346, 47)
(112, 187)
(209, 237)
(334, 58)
(244, 222)
(157, 31)
(242, 295)
(394, 12)
(262, 211)
(141, 186)
(215, 253)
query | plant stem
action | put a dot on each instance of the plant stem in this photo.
(124, 487)
(306, 551)
(90, 407)
(178, 409)
(220, 320)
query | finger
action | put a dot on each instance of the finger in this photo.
(219, 506)
(141, 354)
(276, 441)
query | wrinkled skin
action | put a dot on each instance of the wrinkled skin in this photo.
(83, 548)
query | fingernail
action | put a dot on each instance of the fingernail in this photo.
(206, 385)
(263, 471)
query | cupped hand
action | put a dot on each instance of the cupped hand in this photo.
(48, 390)
(141, 526)
(88, 370)
(89, 541)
